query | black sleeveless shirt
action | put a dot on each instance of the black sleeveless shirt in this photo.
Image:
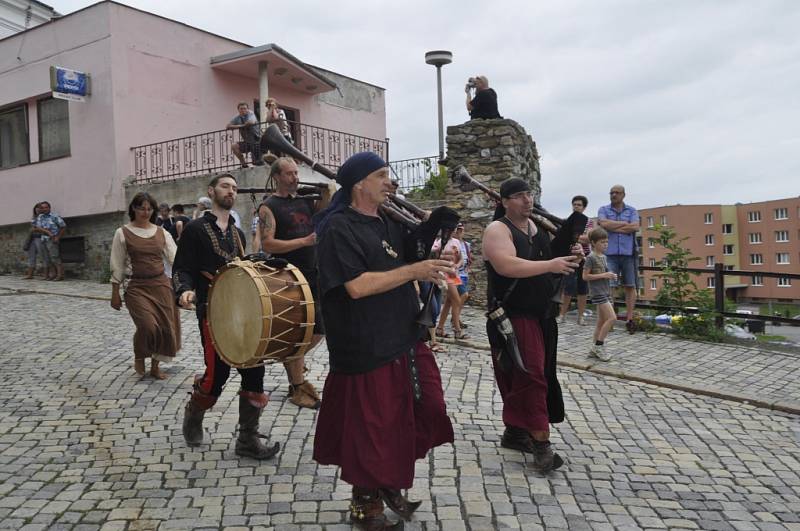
(532, 296)
(293, 220)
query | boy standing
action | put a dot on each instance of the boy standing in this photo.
(596, 273)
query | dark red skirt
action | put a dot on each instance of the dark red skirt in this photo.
(370, 426)
(525, 394)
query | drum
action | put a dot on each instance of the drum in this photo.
(259, 315)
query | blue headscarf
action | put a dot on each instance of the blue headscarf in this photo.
(355, 169)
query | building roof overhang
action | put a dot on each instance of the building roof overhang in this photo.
(284, 69)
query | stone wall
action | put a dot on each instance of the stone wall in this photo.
(491, 151)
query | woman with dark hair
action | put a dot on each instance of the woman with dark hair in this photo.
(138, 253)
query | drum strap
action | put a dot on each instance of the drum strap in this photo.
(416, 389)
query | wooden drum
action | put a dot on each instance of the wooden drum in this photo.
(259, 315)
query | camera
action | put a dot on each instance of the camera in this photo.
(471, 83)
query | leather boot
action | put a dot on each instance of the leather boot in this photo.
(28, 273)
(366, 511)
(517, 439)
(304, 395)
(196, 408)
(544, 459)
(248, 444)
(398, 503)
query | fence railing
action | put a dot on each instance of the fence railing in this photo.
(413, 174)
(211, 152)
(719, 274)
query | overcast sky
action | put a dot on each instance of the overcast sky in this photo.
(685, 102)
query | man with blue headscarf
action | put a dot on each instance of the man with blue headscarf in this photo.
(384, 406)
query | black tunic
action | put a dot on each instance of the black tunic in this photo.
(367, 333)
(203, 247)
(293, 220)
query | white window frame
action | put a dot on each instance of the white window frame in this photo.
(781, 213)
(725, 249)
(784, 282)
(758, 280)
(709, 240)
(710, 282)
(779, 233)
(778, 257)
(710, 261)
(708, 218)
(724, 225)
(653, 284)
(651, 222)
(756, 259)
(663, 219)
(754, 216)
(755, 238)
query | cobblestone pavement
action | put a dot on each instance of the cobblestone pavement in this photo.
(748, 374)
(85, 444)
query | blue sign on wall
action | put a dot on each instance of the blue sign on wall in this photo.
(69, 84)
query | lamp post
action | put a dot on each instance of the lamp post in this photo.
(439, 58)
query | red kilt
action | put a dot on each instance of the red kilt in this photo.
(525, 394)
(370, 426)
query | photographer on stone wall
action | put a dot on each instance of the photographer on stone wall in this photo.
(484, 104)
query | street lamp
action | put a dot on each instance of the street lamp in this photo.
(439, 58)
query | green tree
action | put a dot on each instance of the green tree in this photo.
(679, 290)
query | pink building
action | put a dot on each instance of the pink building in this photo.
(152, 79)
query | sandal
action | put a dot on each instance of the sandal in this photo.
(438, 348)
(460, 334)
(441, 333)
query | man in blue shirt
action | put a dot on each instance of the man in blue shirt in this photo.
(250, 133)
(621, 221)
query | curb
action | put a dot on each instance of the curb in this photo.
(782, 406)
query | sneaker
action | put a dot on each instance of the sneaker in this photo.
(593, 350)
(562, 319)
(581, 321)
(601, 353)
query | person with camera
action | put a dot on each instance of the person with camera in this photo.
(484, 104)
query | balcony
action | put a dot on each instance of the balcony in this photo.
(211, 152)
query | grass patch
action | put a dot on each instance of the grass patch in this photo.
(766, 338)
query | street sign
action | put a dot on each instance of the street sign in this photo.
(68, 84)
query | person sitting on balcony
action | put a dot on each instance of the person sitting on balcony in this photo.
(250, 133)
(277, 116)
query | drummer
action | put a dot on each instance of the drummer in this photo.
(206, 244)
(286, 232)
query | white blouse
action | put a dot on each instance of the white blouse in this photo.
(121, 262)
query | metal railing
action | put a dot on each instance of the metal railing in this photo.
(413, 174)
(211, 152)
(719, 274)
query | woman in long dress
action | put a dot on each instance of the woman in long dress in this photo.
(138, 252)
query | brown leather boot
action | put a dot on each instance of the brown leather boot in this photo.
(398, 503)
(28, 273)
(544, 459)
(193, 415)
(366, 511)
(248, 444)
(304, 395)
(517, 439)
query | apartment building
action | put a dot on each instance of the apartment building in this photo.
(758, 237)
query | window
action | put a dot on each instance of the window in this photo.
(708, 218)
(53, 128)
(653, 284)
(784, 282)
(727, 228)
(709, 261)
(709, 239)
(756, 259)
(754, 216)
(727, 249)
(663, 220)
(781, 236)
(652, 262)
(782, 258)
(651, 221)
(758, 280)
(781, 213)
(755, 237)
(14, 136)
(728, 268)
(651, 244)
(710, 282)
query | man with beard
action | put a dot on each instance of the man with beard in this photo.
(384, 406)
(206, 244)
(287, 232)
(519, 265)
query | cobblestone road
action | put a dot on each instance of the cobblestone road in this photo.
(85, 444)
